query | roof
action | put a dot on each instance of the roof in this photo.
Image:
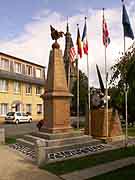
(4, 54)
(21, 77)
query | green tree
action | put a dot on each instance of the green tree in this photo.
(123, 77)
(83, 94)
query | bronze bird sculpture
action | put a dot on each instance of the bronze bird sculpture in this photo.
(55, 34)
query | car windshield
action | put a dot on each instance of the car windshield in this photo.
(10, 114)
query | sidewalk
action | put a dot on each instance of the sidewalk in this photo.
(15, 167)
(99, 169)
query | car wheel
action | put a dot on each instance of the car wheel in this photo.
(30, 120)
(17, 121)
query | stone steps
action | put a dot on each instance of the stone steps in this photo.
(58, 142)
(25, 143)
(31, 138)
(42, 134)
(54, 149)
(71, 140)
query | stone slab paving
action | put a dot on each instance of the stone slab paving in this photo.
(99, 169)
(14, 166)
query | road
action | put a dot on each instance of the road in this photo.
(20, 129)
(25, 128)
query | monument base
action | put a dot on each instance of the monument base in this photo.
(99, 125)
(111, 139)
(60, 146)
(57, 130)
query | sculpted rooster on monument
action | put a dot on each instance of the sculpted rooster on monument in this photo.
(55, 34)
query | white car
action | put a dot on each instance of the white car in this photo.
(17, 117)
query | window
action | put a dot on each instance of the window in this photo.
(39, 108)
(29, 70)
(38, 90)
(17, 87)
(18, 114)
(3, 108)
(4, 64)
(38, 73)
(10, 113)
(3, 85)
(28, 89)
(17, 67)
(28, 108)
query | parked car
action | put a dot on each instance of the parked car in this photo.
(17, 117)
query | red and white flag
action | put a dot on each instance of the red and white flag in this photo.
(106, 38)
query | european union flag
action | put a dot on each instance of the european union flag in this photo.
(126, 24)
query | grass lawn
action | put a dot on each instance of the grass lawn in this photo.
(10, 140)
(88, 161)
(120, 174)
(131, 131)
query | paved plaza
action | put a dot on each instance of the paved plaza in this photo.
(14, 166)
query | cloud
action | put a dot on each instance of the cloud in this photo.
(34, 43)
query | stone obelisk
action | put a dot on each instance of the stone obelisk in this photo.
(56, 96)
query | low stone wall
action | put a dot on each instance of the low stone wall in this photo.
(2, 136)
(41, 154)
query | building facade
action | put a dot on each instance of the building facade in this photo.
(21, 85)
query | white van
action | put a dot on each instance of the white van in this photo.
(17, 117)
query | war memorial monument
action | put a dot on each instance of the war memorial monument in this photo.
(57, 140)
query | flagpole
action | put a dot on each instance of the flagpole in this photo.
(78, 118)
(127, 33)
(126, 112)
(106, 92)
(88, 75)
(89, 109)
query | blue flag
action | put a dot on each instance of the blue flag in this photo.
(126, 24)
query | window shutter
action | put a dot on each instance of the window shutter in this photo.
(23, 69)
(11, 66)
(34, 72)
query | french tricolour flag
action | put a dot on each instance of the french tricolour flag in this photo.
(84, 40)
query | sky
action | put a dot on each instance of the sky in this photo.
(25, 29)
